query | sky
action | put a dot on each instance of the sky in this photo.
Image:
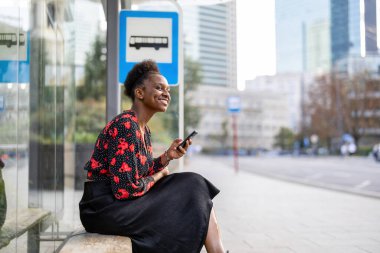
(255, 39)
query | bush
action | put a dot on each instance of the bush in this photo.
(363, 151)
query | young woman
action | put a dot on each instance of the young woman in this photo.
(130, 193)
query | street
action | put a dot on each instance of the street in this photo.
(350, 174)
(258, 214)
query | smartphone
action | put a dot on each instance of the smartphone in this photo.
(183, 143)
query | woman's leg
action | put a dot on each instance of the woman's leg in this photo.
(213, 241)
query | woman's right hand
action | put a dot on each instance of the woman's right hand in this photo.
(165, 172)
(160, 174)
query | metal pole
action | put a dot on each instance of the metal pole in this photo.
(181, 90)
(113, 87)
(235, 140)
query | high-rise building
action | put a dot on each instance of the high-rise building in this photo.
(312, 35)
(302, 35)
(353, 28)
(210, 39)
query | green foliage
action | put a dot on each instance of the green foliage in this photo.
(192, 115)
(90, 120)
(363, 151)
(95, 72)
(192, 79)
(91, 103)
(284, 139)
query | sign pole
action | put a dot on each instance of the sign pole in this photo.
(164, 45)
(235, 142)
(234, 106)
(181, 91)
(113, 87)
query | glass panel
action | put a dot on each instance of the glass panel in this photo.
(14, 120)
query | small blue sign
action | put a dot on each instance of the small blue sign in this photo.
(234, 104)
(149, 35)
(14, 58)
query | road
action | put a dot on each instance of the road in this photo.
(351, 174)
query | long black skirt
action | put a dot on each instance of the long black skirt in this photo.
(172, 217)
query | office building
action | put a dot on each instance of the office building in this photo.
(261, 116)
(312, 35)
(210, 39)
(287, 86)
(353, 28)
(302, 36)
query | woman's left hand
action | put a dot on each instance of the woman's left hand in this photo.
(175, 153)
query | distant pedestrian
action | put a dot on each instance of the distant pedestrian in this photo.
(351, 148)
(130, 193)
(344, 149)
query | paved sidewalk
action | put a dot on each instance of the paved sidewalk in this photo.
(262, 215)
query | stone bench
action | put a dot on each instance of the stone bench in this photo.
(84, 242)
(31, 220)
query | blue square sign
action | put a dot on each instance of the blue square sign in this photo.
(233, 104)
(14, 56)
(149, 35)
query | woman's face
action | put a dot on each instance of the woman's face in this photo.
(156, 93)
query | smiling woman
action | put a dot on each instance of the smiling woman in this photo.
(130, 193)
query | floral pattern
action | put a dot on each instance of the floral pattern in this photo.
(124, 157)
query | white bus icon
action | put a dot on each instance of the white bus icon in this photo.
(156, 42)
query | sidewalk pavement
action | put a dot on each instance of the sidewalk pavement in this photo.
(262, 215)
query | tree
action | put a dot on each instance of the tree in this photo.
(192, 115)
(90, 107)
(322, 110)
(95, 72)
(284, 139)
(192, 79)
(341, 104)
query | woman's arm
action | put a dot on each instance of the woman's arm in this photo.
(160, 174)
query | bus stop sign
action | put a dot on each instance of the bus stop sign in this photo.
(14, 55)
(233, 104)
(149, 35)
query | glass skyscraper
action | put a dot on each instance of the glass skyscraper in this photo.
(302, 35)
(312, 35)
(353, 28)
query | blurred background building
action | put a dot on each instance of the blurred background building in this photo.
(312, 36)
(210, 39)
(286, 86)
(328, 39)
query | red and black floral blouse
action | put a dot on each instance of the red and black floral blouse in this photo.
(123, 157)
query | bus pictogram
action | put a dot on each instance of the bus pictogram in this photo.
(10, 39)
(156, 42)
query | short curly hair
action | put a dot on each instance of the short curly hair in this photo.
(136, 76)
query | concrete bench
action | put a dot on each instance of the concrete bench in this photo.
(31, 220)
(84, 242)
